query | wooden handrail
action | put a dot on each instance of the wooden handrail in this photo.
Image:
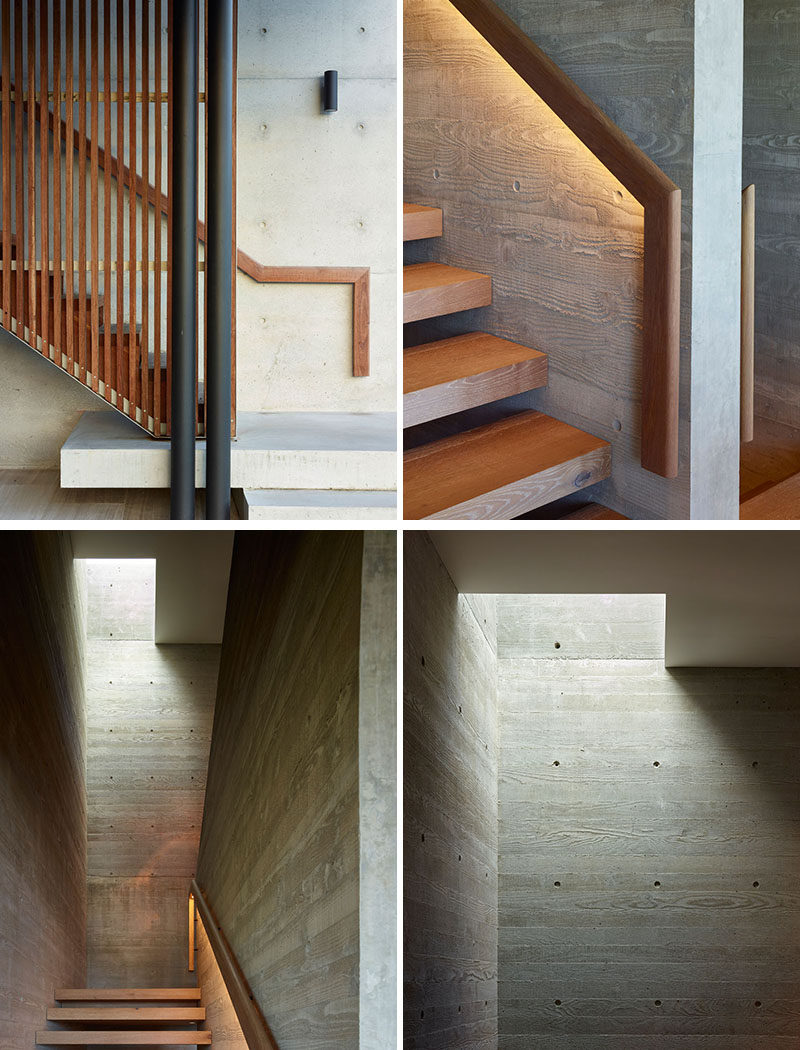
(254, 1027)
(358, 276)
(748, 308)
(652, 188)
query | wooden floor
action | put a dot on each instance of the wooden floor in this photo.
(35, 495)
(772, 456)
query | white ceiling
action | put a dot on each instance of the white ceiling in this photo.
(192, 571)
(733, 597)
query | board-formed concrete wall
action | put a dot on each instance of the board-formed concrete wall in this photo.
(377, 788)
(667, 74)
(648, 844)
(772, 55)
(450, 809)
(149, 714)
(279, 853)
(42, 781)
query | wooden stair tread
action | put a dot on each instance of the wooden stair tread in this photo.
(420, 220)
(111, 1014)
(502, 469)
(432, 289)
(594, 512)
(88, 995)
(464, 371)
(778, 502)
(123, 1037)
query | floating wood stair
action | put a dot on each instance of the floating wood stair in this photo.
(112, 1016)
(454, 374)
(433, 289)
(420, 221)
(502, 469)
(135, 1014)
(121, 995)
(123, 1037)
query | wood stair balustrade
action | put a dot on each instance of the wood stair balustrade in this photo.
(113, 1016)
(501, 469)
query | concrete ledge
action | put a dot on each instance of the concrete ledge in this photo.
(272, 504)
(273, 450)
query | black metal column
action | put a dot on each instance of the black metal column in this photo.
(183, 197)
(219, 237)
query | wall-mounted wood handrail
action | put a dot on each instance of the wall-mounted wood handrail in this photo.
(358, 276)
(254, 1027)
(652, 188)
(748, 308)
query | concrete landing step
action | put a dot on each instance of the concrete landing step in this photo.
(420, 220)
(271, 504)
(433, 289)
(272, 450)
(502, 469)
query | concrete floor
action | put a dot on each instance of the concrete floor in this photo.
(36, 495)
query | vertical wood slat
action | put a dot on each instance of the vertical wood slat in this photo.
(94, 201)
(120, 231)
(145, 400)
(157, 280)
(107, 373)
(748, 313)
(44, 193)
(69, 207)
(170, 30)
(58, 279)
(132, 399)
(19, 147)
(32, 311)
(233, 224)
(82, 190)
(7, 180)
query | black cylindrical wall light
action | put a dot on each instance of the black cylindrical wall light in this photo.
(330, 91)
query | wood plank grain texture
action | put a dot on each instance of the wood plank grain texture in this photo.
(129, 1037)
(433, 289)
(501, 469)
(42, 789)
(778, 502)
(91, 995)
(283, 874)
(450, 811)
(450, 375)
(420, 221)
(650, 905)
